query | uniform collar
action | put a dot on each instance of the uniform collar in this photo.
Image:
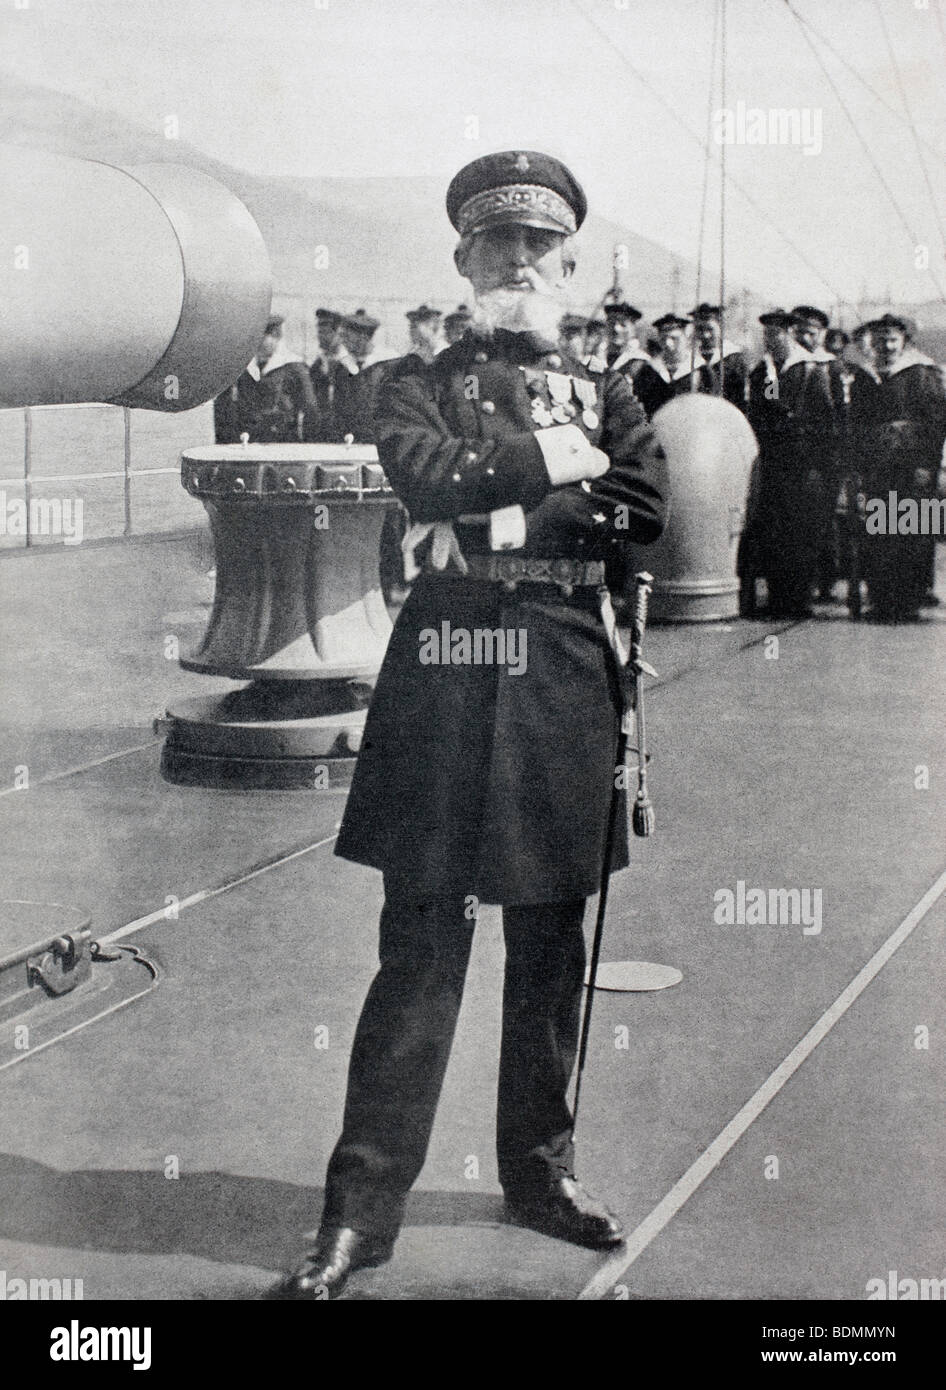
(280, 358)
(796, 355)
(375, 355)
(910, 357)
(678, 373)
(729, 349)
(519, 349)
(631, 354)
(531, 343)
(342, 358)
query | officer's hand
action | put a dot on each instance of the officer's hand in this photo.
(569, 456)
(598, 463)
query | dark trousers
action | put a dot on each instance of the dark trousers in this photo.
(403, 1041)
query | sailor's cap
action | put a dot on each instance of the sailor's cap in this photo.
(622, 310)
(360, 322)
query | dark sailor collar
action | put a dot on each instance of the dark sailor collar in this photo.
(909, 357)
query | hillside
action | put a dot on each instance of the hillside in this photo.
(389, 244)
(388, 239)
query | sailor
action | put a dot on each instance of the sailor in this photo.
(425, 326)
(624, 352)
(791, 411)
(571, 335)
(902, 436)
(487, 780)
(722, 367)
(862, 348)
(332, 363)
(273, 401)
(835, 341)
(356, 391)
(456, 324)
(847, 384)
(668, 372)
(358, 332)
(596, 343)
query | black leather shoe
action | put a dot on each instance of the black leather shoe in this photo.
(338, 1252)
(567, 1212)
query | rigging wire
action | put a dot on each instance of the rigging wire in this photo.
(707, 149)
(863, 143)
(939, 23)
(878, 96)
(706, 174)
(909, 115)
(722, 200)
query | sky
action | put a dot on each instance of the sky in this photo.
(614, 87)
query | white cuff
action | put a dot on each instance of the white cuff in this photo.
(507, 528)
(563, 449)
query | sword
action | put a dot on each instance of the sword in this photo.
(643, 818)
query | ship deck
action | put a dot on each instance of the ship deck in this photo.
(805, 1048)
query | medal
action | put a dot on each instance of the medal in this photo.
(560, 387)
(541, 415)
(561, 414)
(588, 396)
(586, 393)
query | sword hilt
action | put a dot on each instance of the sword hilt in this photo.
(642, 592)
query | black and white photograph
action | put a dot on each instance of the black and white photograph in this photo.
(472, 653)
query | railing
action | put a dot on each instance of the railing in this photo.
(140, 495)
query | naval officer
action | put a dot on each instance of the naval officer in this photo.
(489, 782)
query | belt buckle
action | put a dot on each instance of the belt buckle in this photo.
(512, 569)
(563, 574)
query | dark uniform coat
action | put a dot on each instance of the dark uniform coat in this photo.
(642, 376)
(276, 407)
(901, 429)
(472, 778)
(793, 417)
(734, 385)
(327, 375)
(850, 388)
(705, 376)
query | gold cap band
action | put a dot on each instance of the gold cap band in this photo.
(526, 203)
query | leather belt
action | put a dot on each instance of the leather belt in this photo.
(567, 575)
(511, 570)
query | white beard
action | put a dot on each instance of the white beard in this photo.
(520, 311)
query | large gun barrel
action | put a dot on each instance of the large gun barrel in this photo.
(147, 286)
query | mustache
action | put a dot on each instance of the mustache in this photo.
(537, 283)
(538, 310)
